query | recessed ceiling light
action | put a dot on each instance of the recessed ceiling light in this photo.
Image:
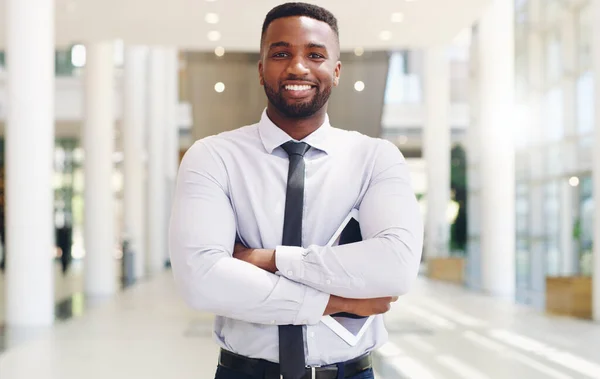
(78, 56)
(359, 51)
(211, 18)
(219, 51)
(574, 181)
(214, 36)
(397, 17)
(385, 35)
(219, 87)
(212, 1)
(359, 86)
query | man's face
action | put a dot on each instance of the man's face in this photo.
(299, 65)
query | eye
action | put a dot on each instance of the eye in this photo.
(316, 56)
(280, 54)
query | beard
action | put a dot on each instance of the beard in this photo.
(298, 109)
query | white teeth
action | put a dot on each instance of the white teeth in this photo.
(297, 88)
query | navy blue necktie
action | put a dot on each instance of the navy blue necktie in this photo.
(291, 341)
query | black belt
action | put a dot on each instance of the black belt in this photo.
(259, 368)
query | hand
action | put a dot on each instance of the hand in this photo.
(360, 307)
(369, 307)
(261, 258)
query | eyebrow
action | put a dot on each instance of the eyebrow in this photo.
(311, 45)
(279, 44)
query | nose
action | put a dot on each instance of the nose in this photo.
(298, 67)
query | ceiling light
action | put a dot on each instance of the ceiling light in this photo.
(211, 18)
(214, 36)
(359, 86)
(219, 87)
(574, 181)
(359, 51)
(385, 35)
(402, 140)
(212, 1)
(78, 56)
(397, 17)
(219, 51)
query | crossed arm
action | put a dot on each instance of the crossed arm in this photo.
(211, 278)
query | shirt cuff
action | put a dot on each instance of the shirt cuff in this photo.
(289, 261)
(312, 308)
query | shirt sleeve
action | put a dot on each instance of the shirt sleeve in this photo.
(386, 262)
(202, 235)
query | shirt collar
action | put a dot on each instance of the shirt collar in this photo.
(272, 136)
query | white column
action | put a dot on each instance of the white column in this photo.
(437, 150)
(596, 168)
(496, 56)
(134, 122)
(29, 162)
(98, 143)
(157, 189)
(171, 129)
(473, 264)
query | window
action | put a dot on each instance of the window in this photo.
(585, 103)
(553, 118)
(552, 227)
(584, 227)
(402, 86)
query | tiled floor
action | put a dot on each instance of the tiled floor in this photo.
(144, 332)
(438, 331)
(443, 331)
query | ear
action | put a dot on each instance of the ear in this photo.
(336, 73)
(260, 73)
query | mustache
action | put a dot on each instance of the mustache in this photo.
(298, 78)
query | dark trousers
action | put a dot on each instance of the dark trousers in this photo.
(225, 373)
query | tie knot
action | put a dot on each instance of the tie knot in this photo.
(296, 148)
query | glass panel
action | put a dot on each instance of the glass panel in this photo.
(553, 57)
(555, 160)
(523, 263)
(584, 37)
(402, 86)
(585, 103)
(585, 154)
(585, 227)
(553, 119)
(552, 227)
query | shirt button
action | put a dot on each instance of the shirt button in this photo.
(273, 322)
(328, 281)
(290, 273)
(312, 334)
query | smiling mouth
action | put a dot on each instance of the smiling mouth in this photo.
(297, 87)
(298, 91)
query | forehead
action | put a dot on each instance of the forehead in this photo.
(300, 30)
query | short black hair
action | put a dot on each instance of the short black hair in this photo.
(301, 9)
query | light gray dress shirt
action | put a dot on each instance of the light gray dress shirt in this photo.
(234, 184)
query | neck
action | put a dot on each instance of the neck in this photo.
(297, 128)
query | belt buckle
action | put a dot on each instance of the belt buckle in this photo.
(313, 373)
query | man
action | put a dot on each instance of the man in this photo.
(281, 188)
